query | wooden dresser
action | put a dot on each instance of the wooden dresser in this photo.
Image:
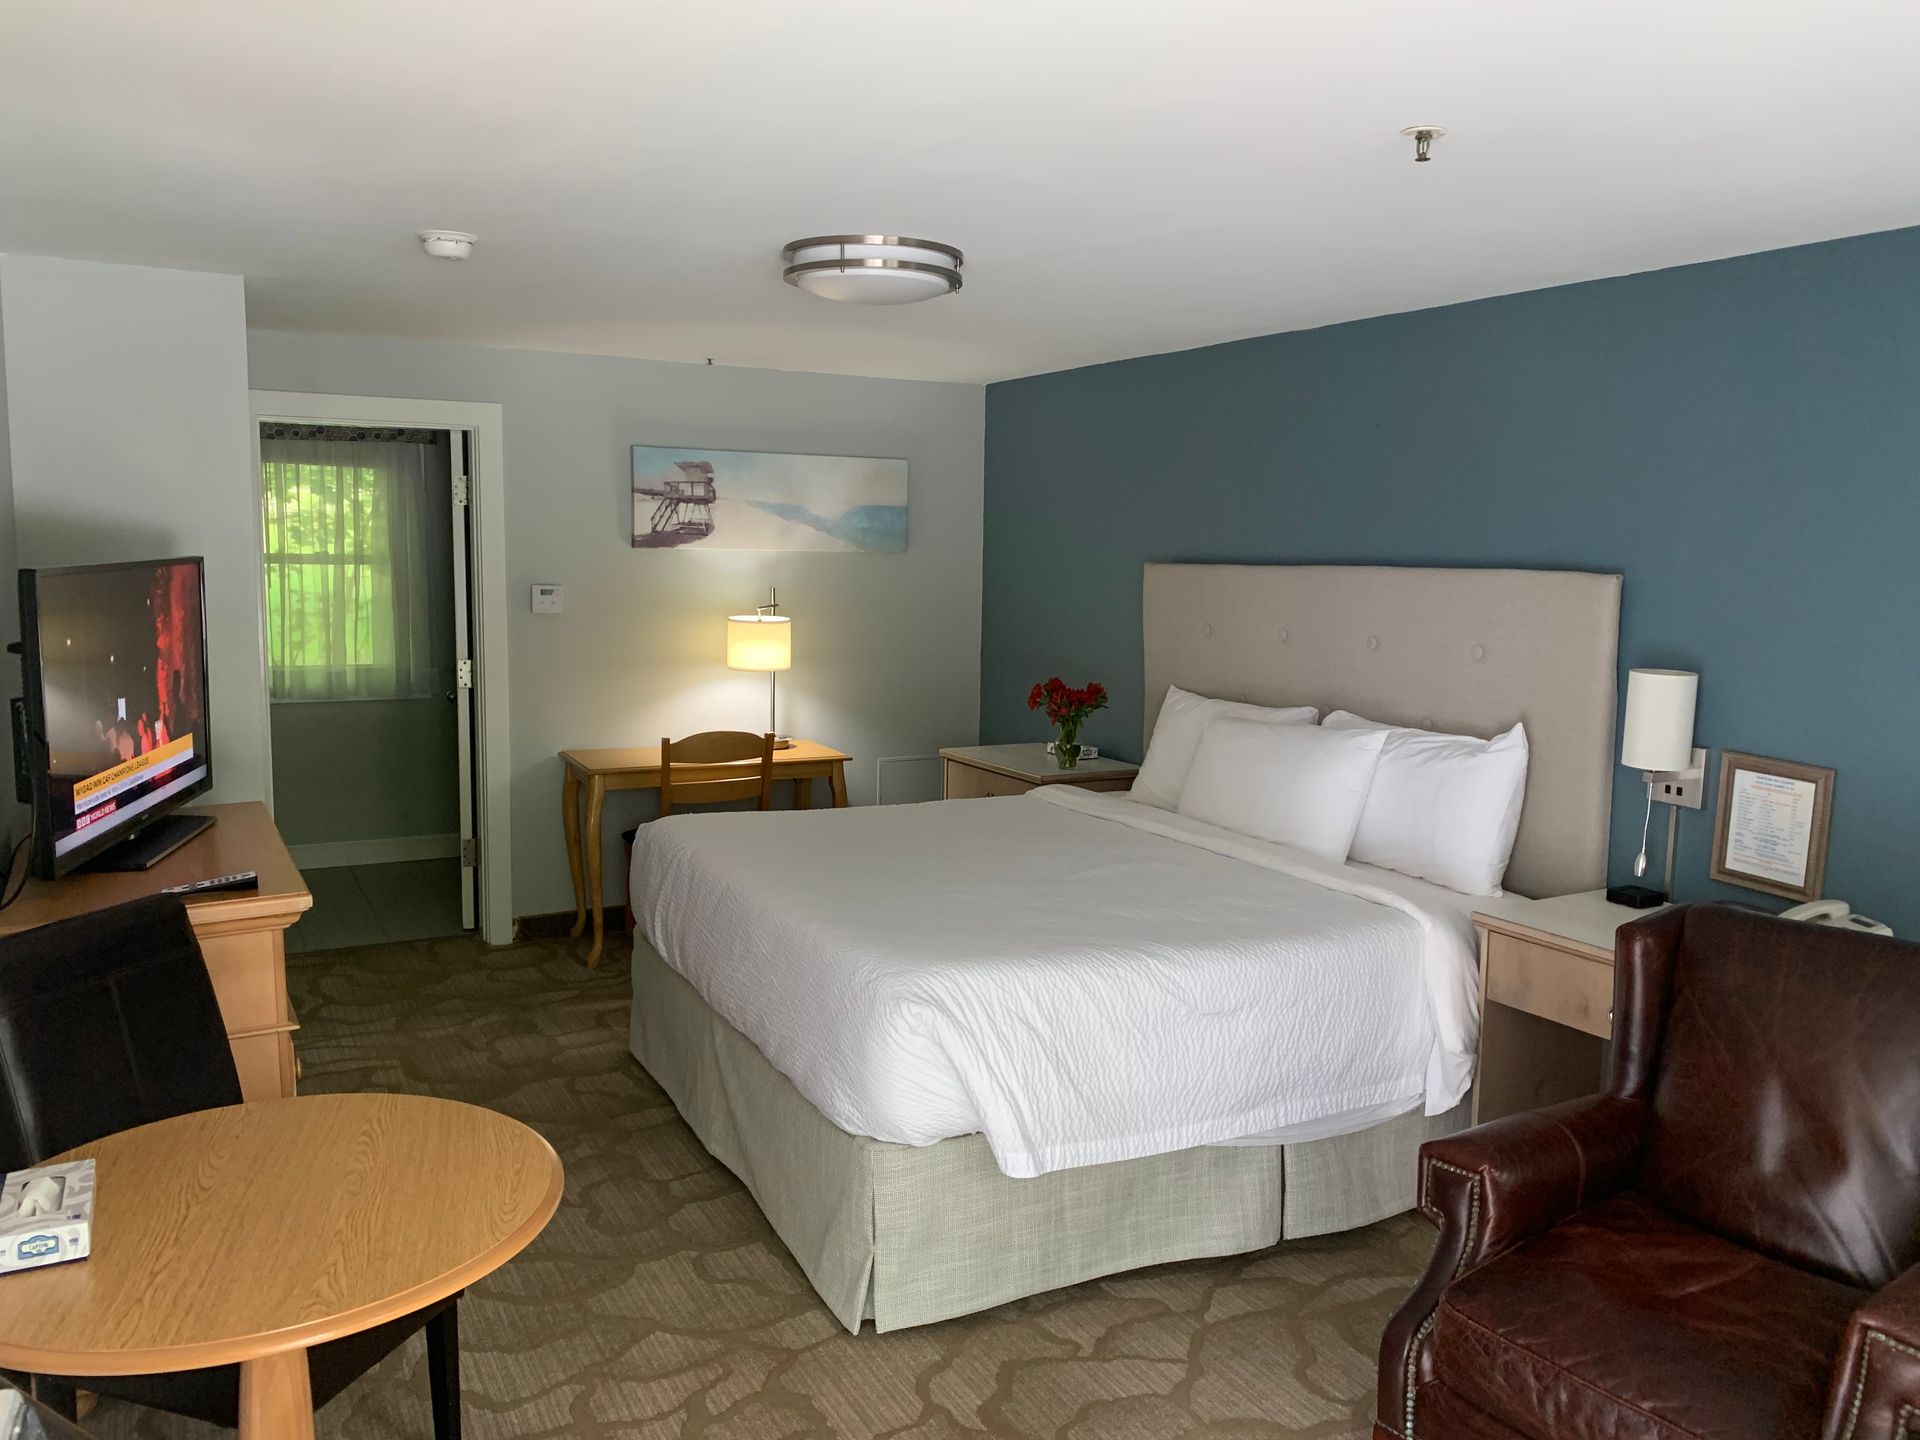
(241, 932)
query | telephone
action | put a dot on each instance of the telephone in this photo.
(1837, 913)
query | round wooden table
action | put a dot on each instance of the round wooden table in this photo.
(248, 1233)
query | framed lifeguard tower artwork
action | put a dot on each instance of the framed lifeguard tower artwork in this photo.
(752, 500)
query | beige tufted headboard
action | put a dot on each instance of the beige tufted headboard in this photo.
(1466, 651)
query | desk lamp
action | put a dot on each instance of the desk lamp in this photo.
(1657, 740)
(763, 641)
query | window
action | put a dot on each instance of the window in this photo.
(352, 584)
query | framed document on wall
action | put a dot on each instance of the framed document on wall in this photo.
(1770, 830)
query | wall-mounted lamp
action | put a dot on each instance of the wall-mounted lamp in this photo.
(763, 641)
(1657, 740)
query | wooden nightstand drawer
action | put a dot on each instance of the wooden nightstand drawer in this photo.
(1567, 989)
(969, 782)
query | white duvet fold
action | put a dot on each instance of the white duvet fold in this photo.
(1081, 978)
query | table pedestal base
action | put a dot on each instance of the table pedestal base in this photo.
(276, 1397)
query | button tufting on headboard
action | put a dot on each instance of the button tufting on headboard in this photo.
(1479, 652)
(1373, 642)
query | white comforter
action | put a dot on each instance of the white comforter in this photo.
(1081, 978)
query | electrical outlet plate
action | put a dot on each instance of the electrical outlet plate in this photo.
(1685, 788)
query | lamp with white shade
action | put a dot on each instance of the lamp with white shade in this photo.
(1657, 740)
(763, 641)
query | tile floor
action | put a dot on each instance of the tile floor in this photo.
(375, 904)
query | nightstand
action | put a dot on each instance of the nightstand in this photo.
(1546, 999)
(976, 770)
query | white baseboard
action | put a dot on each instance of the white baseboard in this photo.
(332, 854)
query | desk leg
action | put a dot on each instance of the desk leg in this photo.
(839, 784)
(803, 793)
(276, 1397)
(570, 826)
(596, 798)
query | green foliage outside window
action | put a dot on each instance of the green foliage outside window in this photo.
(329, 568)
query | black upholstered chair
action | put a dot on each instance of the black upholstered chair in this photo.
(108, 1021)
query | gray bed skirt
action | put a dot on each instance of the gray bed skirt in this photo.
(907, 1235)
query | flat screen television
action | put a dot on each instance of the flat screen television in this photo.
(114, 706)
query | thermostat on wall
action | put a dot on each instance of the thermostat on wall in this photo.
(549, 600)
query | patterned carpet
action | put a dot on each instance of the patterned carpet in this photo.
(658, 1303)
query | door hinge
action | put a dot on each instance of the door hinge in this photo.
(462, 488)
(463, 674)
(469, 854)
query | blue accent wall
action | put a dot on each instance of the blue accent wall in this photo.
(1740, 439)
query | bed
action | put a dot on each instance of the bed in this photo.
(1005, 1045)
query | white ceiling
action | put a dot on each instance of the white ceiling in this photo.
(1125, 177)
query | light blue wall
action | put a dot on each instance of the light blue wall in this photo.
(347, 770)
(1740, 439)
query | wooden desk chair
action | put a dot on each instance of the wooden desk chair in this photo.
(715, 765)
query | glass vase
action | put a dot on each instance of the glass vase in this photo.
(1066, 747)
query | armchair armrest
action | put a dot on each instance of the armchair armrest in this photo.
(1876, 1382)
(1491, 1187)
(1498, 1184)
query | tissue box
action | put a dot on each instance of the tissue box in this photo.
(46, 1215)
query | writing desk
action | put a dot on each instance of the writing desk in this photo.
(245, 1234)
(638, 768)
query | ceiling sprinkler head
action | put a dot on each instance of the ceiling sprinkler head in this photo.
(1423, 137)
(447, 244)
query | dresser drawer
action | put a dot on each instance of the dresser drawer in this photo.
(1553, 984)
(969, 782)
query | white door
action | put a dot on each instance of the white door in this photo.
(461, 449)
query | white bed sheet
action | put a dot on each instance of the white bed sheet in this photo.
(1079, 977)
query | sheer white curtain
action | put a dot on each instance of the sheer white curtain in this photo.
(356, 606)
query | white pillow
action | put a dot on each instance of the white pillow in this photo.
(1184, 716)
(1296, 785)
(1444, 808)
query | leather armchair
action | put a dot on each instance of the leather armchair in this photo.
(1724, 1244)
(108, 1021)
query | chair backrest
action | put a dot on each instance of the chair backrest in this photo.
(1782, 1062)
(714, 766)
(107, 1021)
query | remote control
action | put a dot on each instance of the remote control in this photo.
(244, 880)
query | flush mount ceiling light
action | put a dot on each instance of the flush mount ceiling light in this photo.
(1423, 137)
(447, 244)
(872, 269)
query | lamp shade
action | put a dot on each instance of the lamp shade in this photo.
(759, 642)
(1659, 729)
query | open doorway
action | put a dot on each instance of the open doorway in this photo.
(365, 564)
(377, 664)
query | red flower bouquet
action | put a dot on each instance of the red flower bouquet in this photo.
(1066, 709)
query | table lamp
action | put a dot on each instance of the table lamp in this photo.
(763, 641)
(1657, 738)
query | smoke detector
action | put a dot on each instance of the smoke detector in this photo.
(447, 244)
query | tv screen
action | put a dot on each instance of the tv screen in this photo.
(114, 663)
